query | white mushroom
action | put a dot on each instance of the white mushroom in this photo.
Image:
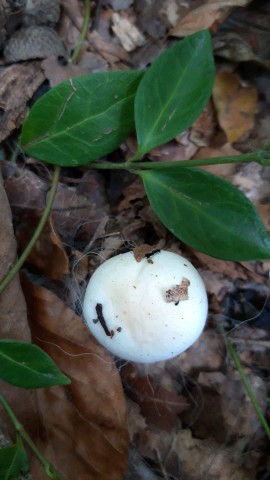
(146, 309)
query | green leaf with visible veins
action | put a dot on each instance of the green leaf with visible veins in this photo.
(207, 213)
(174, 91)
(83, 119)
(13, 462)
(27, 366)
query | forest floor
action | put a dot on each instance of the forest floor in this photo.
(188, 418)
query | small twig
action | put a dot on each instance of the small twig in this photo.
(101, 320)
(14, 270)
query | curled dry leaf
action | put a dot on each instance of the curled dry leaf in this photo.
(77, 211)
(242, 422)
(111, 51)
(208, 15)
(245, 35)
(231, 270)
(85, 423)
(25, 189)
(206, 354)
(236, 105)
(183, 456)
(227, 392)
(159, 405)
(131, 194)
(17, 85)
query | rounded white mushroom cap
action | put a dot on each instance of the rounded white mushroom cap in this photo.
(148, 310)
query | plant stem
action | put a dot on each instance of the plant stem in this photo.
(19, 263)
(247, 386)
(84, 30)
(51, 472)
(261, 156)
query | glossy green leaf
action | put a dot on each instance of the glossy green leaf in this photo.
(13, 462)
(207, 213)
(174, 91)
(83, 119)
(27, 366)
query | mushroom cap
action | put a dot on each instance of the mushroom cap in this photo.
(146, 311)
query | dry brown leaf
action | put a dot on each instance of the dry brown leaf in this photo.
(13, 323)
(225, 170)
(245, 36)
(84, 423)
(80, 211)
(199, 459)
(48, 254)
(17, 85)
(206, 417)
(144, 250)
(133, 192)
(24, 188)
(13, 313)
(77, 211)
(182, 148)
(202, 129)
(55, 72)
(236, 105)
(253, 180)
(180, 455)
(73, 11)
(242, 421)
(158, 405)
(208, 354)
(79, 264)
(208, 15)
(232, 270)
(111, 51)
(136, 422)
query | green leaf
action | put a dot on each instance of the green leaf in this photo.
(13, 461)
(174, 91)
(82, 119)
(27, 366)
(207, 213)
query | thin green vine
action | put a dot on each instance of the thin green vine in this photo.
(84, 30)
(19, 263)
(51, 472)
(247, 386)
(261, 156)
